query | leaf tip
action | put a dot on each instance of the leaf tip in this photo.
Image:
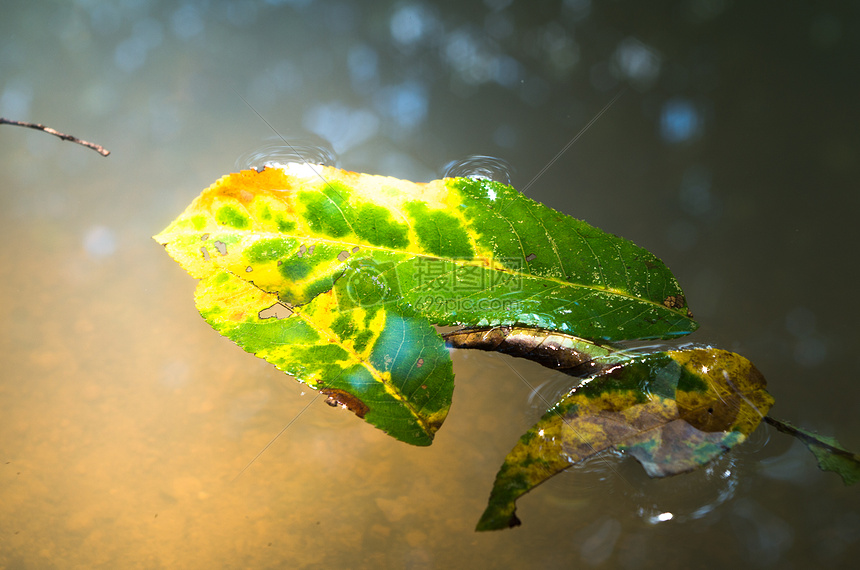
(497, 519)
(829, 453)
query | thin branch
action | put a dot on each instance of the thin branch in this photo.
(98, 148)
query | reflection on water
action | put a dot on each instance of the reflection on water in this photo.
(731, 155)
(694, 497)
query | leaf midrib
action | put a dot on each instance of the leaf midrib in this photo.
(347, 245)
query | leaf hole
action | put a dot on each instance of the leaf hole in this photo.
(277, 311)
(221, 247)
(531, 257)
(205, 252)
(343, 256)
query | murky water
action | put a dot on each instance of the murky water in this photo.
(124, 419)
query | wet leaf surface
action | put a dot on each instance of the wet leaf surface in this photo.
(337, 278)
(673, 411)
(382, 362)
(460, 251)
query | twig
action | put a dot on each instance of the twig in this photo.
(96, 147)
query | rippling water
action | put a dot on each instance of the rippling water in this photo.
(286, 151)
(480, 167)
(731, 154)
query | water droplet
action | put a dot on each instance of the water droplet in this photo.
(480, 167)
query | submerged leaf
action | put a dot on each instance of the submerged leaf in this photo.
(673, 411)
(830, 454)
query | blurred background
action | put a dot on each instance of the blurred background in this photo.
(125, 421)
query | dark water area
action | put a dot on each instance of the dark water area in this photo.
(732, 153)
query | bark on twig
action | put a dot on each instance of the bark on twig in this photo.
(96, 147)
(555, 350)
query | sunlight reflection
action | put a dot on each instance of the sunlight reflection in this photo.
(638, 62)
(130, 54)
(16, 98)
(186, 21)
(363, 63)
(100, 241)
(410, 23)
(342, 126)
(405, 103)
(680, 121)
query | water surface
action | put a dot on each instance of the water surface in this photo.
(731, 153)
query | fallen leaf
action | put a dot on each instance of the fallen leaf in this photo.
(673, 411)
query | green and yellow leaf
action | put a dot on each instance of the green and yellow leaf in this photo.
(335, 277)
(673, 411)
(381, 361)
(460, 251)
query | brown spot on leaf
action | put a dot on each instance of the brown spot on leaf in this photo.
(238, 315)
(675, 302)
(336, 397)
